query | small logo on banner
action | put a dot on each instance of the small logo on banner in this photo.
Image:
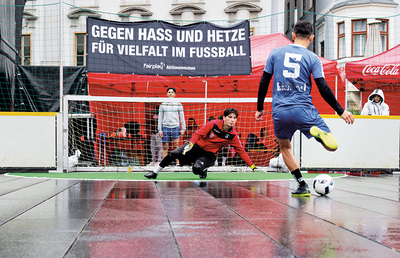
(387, 69)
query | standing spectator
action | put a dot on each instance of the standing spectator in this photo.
(292, 107)
(376, 104)
(171, 122)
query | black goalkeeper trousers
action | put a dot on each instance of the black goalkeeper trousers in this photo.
(196, 154)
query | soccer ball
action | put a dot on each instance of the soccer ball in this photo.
(323, 184)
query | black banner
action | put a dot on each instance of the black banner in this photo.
(161, 48)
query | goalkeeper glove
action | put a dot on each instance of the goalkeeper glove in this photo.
(187, 148)
(253, 167)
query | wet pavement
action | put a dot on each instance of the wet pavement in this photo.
(85, 218)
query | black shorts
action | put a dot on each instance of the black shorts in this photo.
(196, 153)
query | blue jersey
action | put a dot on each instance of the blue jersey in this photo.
(292, 66)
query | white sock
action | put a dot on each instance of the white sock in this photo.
(158, 169)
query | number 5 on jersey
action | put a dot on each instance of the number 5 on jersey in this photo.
(293, 65)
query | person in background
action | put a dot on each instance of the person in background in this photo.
(204, 145)
(292, 107)
(171, 122)
(191, 128)
(155, 143)
(376, 105)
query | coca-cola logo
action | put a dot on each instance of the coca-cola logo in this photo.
(387, 69)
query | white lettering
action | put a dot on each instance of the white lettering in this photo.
(226, 35)
(207, 52)
(387, 69)
(152, 34)
(136, 50)
(102, 47)
(112, 32)
(189, 35)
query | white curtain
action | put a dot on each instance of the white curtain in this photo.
(374, 44)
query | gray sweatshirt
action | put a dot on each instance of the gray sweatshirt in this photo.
(169, 115)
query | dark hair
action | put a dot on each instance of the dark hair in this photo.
(231, 110)
(171, 88)
(303, 29)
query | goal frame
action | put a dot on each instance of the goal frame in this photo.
(63, 131)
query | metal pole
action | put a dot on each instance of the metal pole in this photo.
(205, 104)
(61, 127)
(345, 96)
(336, 96)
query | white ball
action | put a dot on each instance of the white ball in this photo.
(323, 184)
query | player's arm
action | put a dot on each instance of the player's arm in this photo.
(328, 96)
(202, 132)
(237, 145)
(262, 92)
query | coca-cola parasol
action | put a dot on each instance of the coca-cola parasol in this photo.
(376, 71)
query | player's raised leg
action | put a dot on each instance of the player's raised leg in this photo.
(326, 139)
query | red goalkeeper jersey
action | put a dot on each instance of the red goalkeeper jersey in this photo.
(212, 138)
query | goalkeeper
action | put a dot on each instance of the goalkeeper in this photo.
(204, 145)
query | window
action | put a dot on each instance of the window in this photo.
(322, 47)
(359, 36)
(187, 13)
(80, 49)
(321, 39)
(384, 31)
(341, 51)
(26, 49)
(304, 8)
(287, 16)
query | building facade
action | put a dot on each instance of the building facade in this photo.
(342, 26)
(41, 18)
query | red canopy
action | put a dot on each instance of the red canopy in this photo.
(376, 71)
(380, 71)
(262, 45)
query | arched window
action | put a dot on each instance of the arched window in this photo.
(187, 13)
(75, 15)
(135, 13)
(238, 11)
(28, 20)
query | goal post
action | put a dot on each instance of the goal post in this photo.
(118, 134)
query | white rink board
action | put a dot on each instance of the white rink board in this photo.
(28, 141)
(372, 142)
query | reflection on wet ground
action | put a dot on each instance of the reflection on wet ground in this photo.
(83, 218)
